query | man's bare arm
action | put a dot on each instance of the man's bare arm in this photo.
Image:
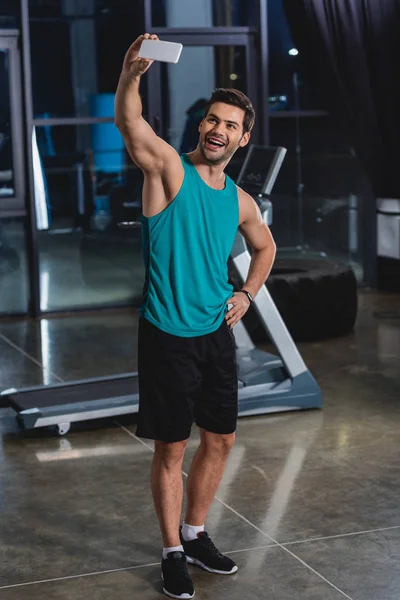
(147, 150)
(258, 235)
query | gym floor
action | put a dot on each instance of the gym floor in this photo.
(308, 507)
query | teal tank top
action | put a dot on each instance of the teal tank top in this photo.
(186, 249)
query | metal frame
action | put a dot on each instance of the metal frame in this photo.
(147, 15)
(32, 244)
(227, 36)
(264, 64)
(15, 205)
(71, 121)
(287, 114)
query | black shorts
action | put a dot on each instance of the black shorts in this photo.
(182, 380)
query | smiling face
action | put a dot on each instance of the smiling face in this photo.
(221, 133)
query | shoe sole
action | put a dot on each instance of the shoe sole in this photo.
(184, 597)
(195, 561)
(181, 597)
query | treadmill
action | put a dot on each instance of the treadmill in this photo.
(268, 383)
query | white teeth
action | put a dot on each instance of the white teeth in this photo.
(217, 143)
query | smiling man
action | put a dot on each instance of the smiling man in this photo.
(220, 134)
(186, 349)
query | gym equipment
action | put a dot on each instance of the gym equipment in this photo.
(267, 383)
(316, 298)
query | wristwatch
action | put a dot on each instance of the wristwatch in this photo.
(250, 297)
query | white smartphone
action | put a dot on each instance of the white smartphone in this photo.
(159, 50)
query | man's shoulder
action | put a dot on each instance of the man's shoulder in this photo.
(244, 196)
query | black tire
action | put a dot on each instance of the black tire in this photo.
(316, 299)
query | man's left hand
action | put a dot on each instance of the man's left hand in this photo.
(240, 307)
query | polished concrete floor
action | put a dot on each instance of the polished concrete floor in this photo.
(308, 506)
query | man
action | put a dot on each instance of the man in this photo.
(187, 358)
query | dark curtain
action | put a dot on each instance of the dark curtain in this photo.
(351, 50)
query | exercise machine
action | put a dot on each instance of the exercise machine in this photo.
(267, 382)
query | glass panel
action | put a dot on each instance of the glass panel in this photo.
(207, 13)
(187, 91)
(86, 185)
(6, 158)
(78, 58)
(13, 267)
(319, 195)
(288, 85)
(9, 14)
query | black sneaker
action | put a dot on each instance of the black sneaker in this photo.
(203, 553)
(177, 582)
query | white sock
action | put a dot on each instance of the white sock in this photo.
(173, 549)
(189, 532)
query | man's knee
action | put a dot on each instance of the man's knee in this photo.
(217, 442)
(170, 453)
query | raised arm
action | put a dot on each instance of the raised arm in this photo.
(148, 151)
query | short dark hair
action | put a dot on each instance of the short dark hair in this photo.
(234, 98)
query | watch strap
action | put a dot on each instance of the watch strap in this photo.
(250, 297)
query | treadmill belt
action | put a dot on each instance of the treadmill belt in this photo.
(71, 393)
